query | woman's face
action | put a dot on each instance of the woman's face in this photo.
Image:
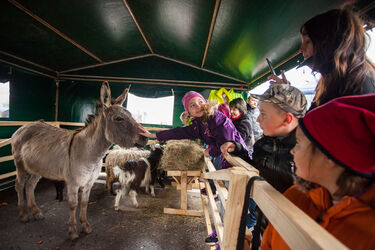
(195, 107)
(307, 47)
(309, 164)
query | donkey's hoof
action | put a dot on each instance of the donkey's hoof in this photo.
(38, 216)
(116, 208)
(73, 235)
(86, 228)
(24, 217)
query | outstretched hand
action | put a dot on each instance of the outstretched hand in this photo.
(274, 79)
(145, 133)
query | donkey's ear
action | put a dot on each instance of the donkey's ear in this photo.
(105, 95)
(121, 99)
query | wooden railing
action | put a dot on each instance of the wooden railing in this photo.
(297, 229)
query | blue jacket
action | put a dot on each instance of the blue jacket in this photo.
(219, 129)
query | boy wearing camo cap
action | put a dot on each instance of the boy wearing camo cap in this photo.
(280, 107)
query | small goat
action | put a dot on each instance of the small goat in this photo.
(138, 173)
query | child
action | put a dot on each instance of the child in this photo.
(212, 127)
(253, 113)
(335, 154)
(184, 117)
(241, 121)
(280, 107)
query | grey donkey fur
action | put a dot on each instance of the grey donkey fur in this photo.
(73, 156)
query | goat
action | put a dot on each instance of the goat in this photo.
(138, 173)
(117, 157)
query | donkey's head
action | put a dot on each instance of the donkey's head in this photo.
(120, 126)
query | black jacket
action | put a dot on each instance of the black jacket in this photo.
(273, 159)
(243, 126)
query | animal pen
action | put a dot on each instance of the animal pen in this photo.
(56, 54)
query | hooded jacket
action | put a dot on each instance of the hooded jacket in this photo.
(351, 221)
(243, 126)
(218, 130)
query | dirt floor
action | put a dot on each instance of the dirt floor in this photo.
(145, 227)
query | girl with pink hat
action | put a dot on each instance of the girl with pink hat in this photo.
(209, 125)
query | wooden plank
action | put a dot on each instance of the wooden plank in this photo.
(12, 123)
(5, 142)
(182, 212)
(76, 124)
(297, 229)
(237, 161)
(7, 175)
(223, 192)
(215, 213)
(232, 220)
(6, 158)
(178, 173)
(205, 210)
(223, 174)
(183, 190)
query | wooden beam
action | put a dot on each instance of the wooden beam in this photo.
(75, 124)
(183, 190)
(238, 162)
(104, 63)
(143, 82)
(6, 158)
(205, 210)
(146, 79)
(40, 20)
(27, 69)
(215, 213)
(179, 173)
(138, 26)
(232, 220)
(27, 61)
(213, 20)
(297, 229)
(5, 142)
(7, 175)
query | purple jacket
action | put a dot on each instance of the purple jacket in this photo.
(219, 129)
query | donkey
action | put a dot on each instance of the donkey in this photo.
(73, 156)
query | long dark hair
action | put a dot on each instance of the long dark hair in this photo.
(339, 42)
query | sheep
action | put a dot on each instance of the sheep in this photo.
(119, 156)
(136, 173)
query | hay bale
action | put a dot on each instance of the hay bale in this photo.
(182, 155)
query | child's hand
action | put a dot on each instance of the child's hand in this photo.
(227, 148)
(145, 133)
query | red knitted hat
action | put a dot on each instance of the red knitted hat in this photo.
(188, 96)
(344, 129)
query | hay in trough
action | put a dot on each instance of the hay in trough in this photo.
(182, 155)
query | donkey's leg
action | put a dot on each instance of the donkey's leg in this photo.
(86, 228)
(152, 190)
(31, 204)
(72, 192)
(21, 179)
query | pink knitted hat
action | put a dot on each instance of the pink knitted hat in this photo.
(188, 96)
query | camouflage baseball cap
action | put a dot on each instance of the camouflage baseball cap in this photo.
(286, 97)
